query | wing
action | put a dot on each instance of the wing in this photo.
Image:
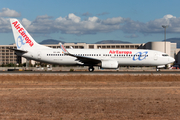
(86, 60)
(83, 59)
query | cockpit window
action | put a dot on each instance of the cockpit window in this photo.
(164, 54)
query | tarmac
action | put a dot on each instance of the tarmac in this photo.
(164, 72)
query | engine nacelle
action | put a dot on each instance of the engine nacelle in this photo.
(161, 66)
(109, 64)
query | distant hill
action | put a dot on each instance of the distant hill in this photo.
(112, 42)
(51, 41)
(174, 40)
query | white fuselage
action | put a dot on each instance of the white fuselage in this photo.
(138, 57)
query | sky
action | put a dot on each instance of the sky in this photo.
(90, 21)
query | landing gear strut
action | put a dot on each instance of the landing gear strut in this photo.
(157, 69)
(91, 69)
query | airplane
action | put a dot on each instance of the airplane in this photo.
(104, 58)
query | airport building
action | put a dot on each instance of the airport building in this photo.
(7, 56)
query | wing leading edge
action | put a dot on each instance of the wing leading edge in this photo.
(83, 59)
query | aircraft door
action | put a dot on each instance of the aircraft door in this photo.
(39, 55)
(155, 56)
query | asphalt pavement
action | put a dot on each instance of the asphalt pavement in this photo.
(91, 73)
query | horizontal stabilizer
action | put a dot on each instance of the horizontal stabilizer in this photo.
(17, 50)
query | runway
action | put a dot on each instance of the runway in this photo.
(91, 73)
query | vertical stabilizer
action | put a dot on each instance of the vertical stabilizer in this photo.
(23, 39)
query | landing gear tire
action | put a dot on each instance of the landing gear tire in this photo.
(91, 69)
(157, 69)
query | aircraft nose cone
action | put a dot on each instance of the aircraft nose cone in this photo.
(171, 59)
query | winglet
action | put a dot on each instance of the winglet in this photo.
(63, 49)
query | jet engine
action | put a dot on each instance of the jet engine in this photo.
(109, 64)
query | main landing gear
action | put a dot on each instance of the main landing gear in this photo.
(91, 69)
(157, 69)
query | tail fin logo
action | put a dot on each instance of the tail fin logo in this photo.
(22, 36)
(20, 41)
